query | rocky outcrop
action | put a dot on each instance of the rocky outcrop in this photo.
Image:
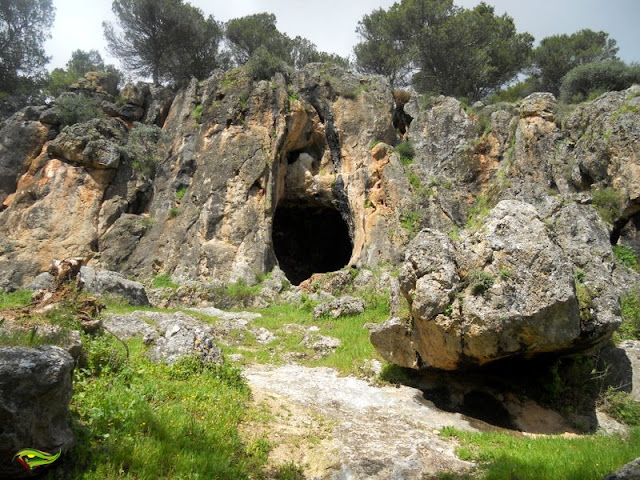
(508, 290)
(630, 471)
(340, 307)
(170, 336)
(35, 390)
(104, 282)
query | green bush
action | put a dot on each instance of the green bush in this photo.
(263, 65)
(626, 256)
(406, 151)
(610, 75)
(143, 148)
(630, 311)
(609, 203)
(622, 407)
(164, 281)
(77, 109)
(480, 281)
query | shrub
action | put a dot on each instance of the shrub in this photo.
(406, 151)
(610, 75)
(263, 65)
(626, 256)
(609, 202)
(480, 281)
(77, 109)
(630, 311)
(164, 281)
(143, 148)
(622, 407)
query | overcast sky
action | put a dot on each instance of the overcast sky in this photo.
(331, 24)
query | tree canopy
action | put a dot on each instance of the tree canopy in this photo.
(81, 62)
(558, 54)
(445, 48)
(167, 40)
(256, 41)
(24, 26)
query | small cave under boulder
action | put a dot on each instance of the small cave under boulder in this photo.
(310, 239)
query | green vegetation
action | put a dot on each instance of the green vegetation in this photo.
(406, 152)
(81, 62)
(19, 298)
(626, 256)
(598, 77)
(583, 295)
(180, 194)
(74, 109)
(164, 280)
(478, 212)
(480, 281)
(197, 112)
(621, 407)
(185, 417)
(441, 43)
(143, 148)
(174, 212)
(508, 456)
(411, 220)
(166, 40)
(24, 27)
(609, 202)
(349, 358)
(630, 310)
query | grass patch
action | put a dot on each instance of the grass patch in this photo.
(19, 298)
(147, 421)
(507, 456)
(164, 281)
(608, 202)
(622, 407)
(626, 256)
(290, 325)
(406, 152)
(630, 310)
(480, 281)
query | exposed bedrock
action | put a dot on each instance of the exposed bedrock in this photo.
(510, 289)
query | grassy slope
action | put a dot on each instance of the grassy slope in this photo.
(136, 419)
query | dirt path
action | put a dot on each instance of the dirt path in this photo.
(344, 428)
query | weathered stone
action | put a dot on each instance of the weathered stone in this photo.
(630, 471)
(43, 281)
(98, 82)
(119, 242)
(508, 290)
(135, 93)
(94, 143)
(104, 282)
(341, 307)
(183, 335)
(539, 104)
(21, 139)
(35, 390)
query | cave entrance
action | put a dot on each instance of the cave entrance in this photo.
(310, 239)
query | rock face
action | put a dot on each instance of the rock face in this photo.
(507, 290)
(301, 173)
(35, 390)
(631, 471)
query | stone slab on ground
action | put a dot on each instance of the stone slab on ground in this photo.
(378, 432)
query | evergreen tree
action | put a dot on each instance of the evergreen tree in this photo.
(24, 26)
(167, 40)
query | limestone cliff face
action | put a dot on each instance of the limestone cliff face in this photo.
(299, 172)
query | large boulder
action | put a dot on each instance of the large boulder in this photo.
(630, 471)
(104, 282)
(95, 143)
(171, 336)
(508, 290)
(35, 391)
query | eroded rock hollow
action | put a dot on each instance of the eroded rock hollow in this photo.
(310, 239)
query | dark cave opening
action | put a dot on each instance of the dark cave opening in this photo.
(310, 239)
